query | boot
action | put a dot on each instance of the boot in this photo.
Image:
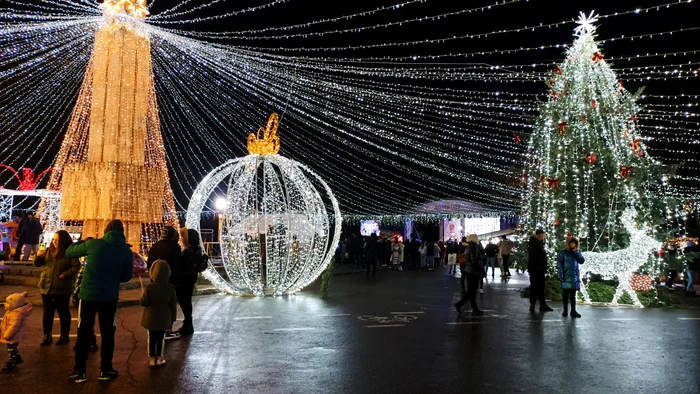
(545, 308)
(62, 340)
(47, 340)
(187, 329)
(574, 313)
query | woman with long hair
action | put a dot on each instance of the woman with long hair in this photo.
(56, 284)
(192, 258)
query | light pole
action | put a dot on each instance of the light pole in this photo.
(220, 204)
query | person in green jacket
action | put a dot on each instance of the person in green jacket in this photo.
(109, 262)
(160, 302)
(55, 284)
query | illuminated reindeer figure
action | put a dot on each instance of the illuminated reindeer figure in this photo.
(27, 181)
(624, 262)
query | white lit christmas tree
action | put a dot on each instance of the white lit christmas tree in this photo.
(586, 162)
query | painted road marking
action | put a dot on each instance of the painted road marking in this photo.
(689, 318)
(74, 319)
(252, 317)
(386, 326)
(335, 315)
(621, 319)
(477, 317)
(546, 321)
(295, 329)
(405, 313)
(459, 323)
(71, 335)
(205, 332)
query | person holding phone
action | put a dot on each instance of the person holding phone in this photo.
(568, 273)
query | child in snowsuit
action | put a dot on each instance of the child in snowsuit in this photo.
(160, 302)
(13, 329)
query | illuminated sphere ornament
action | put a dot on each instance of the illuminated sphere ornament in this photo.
(277, 235)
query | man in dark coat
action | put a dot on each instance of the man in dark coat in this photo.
(109, 262)
(537, 267)
(31, 233)
(168, 249)
(372, 252)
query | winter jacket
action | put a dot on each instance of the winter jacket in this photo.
(191, 258)
(372, 249)
(49, 282)
(475, 259)
(506, 247)
(536, 257)
(13, 328)
(491, 250)
(168, 250)
(31, 231)
(159, 299)
(567, 269)
(693, 265)
(109, 262)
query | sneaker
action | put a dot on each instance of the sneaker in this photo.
(575, 314)
(108, 375)
(565, 313)
(160, 362)
(152, 362)
(77, 377)
(172, 335)
(481, 291)
(546, 308)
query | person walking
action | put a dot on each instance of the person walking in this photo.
(109, 262)
(537, 268)
(192, 259)
(452, 250)
(168, 249)
(443, 253)
(423, 250)
(13, 327)
(693, 268)
(20, 237)
(395, 254)
(568, 261)
(56, 284)
(505, 249)
(159, 300)
(472, 270)
(430, 255)
(372, 253)
(491, 252)
(32, 236)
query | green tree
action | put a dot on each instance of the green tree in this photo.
(585, 160)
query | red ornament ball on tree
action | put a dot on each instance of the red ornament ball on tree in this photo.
(557, 222)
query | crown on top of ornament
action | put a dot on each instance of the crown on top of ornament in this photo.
(133, 8)
(267, 142)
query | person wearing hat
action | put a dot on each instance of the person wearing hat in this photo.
(537, 268)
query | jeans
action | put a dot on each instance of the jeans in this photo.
(29, 250)
(184, 298)
(53, 303)
(469, 294)
(107, 318)
(569, 296)
(691, 284)
(537, 284)
(156, 343)
(506, 264)
(491, 262)
(423, 259)
(372, 263)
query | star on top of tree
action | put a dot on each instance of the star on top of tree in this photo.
(586, 24)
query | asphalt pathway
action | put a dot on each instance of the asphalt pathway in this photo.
(395, 334)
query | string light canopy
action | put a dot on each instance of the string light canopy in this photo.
(380, 111)
(277, 235)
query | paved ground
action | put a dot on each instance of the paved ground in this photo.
(396, 334)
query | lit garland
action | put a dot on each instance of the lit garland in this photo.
(276, 233)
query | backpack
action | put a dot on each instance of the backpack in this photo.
(202, 264)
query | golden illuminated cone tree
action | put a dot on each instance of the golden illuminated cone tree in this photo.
(112, 163)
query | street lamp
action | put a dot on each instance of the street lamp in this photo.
(220, 204)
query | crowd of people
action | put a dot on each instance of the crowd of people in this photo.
(173, 264)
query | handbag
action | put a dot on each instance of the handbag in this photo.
(452, 259)
(461, 259)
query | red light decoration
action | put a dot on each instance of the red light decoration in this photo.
(27, 181)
